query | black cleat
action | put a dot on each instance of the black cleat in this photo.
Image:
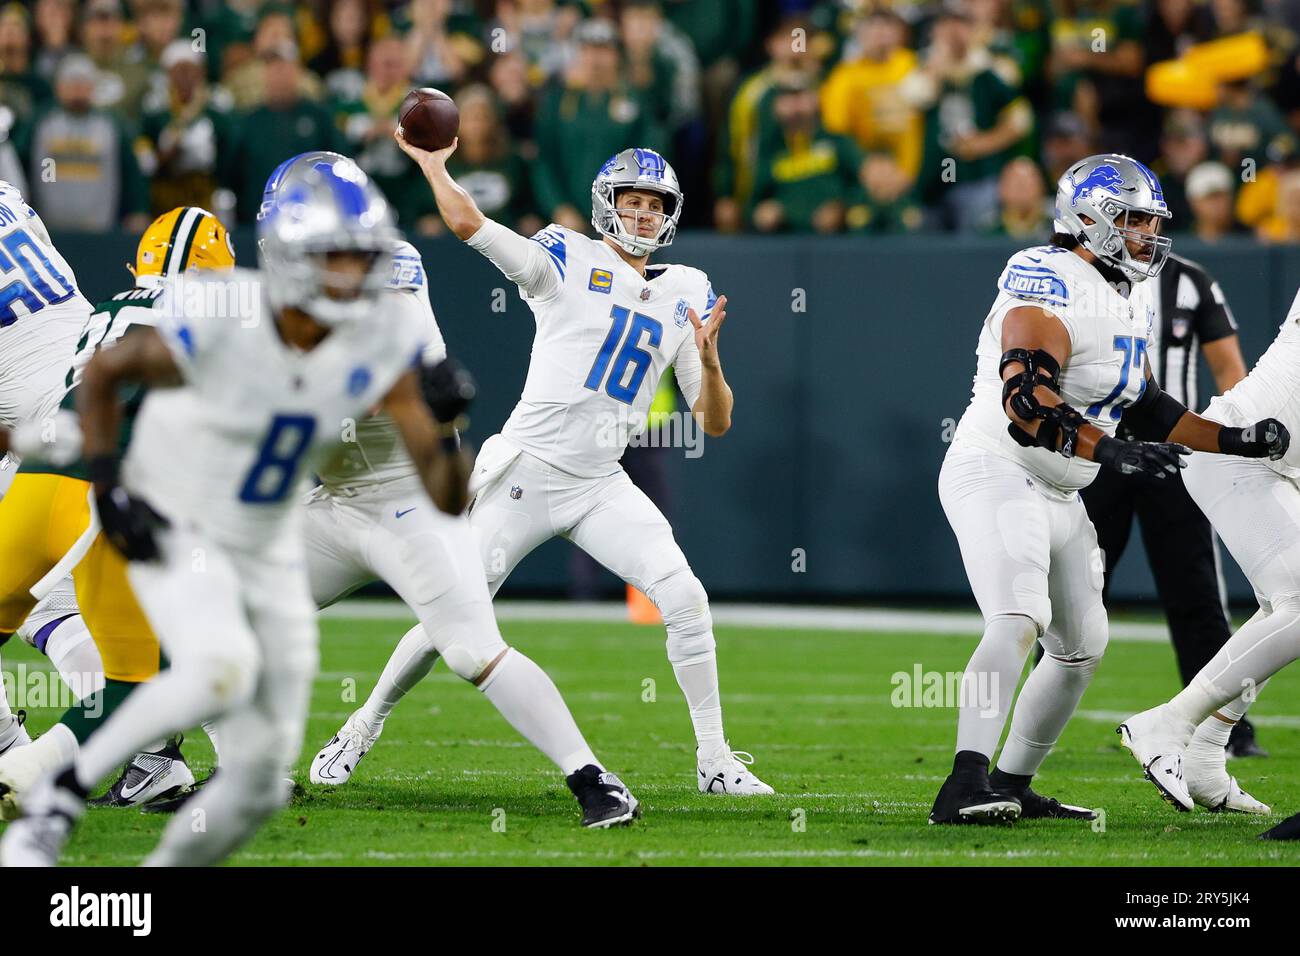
(149, 776)
(1242, 743)
(968, 797)
(605, 801)
(1288, 829)
(1035, 806)
(177, 800)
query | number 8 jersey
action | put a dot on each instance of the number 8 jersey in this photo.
(1106, 369)
(605, 336)
(228, 451)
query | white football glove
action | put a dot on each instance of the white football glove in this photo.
(56, 440)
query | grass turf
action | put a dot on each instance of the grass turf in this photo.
(451, 783)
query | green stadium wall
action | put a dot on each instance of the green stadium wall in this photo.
(849, 357)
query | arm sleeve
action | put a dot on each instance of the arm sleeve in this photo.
(536, 265)
(689, 372)
(686, 366)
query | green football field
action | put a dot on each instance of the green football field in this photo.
(450, 782)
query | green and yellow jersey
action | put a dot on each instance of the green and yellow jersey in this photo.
(107, 323)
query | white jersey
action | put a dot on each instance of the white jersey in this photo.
(1271, 390)
(605, 336)
(42, 314)
(227, 452)
(1106, 370)
(377, 454)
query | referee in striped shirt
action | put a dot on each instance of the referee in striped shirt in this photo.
(1192, 317)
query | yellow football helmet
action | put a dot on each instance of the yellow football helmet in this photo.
(185, 238)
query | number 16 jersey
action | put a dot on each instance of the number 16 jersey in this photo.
(605, 336)
(1105, 372)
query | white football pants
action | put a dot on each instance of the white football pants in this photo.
(1034, 566)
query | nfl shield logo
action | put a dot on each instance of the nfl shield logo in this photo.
(645, 294)
(1180, 327)
(516, 492)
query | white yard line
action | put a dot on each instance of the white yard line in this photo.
(782, 616)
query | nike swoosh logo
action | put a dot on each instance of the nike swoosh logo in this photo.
(1032, 259)
(406, 512)
(129, 792)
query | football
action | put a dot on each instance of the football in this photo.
(428, 118)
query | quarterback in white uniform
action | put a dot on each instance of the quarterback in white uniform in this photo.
(1255, 508)
(265, 376)
(370, 518)
(1061, 357)
(608, 325)
(35, 352)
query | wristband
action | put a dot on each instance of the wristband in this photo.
(1232, 441)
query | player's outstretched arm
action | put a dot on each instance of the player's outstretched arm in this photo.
(443, 466)
(139, 356)
(1160, 416)
(1035, 345)
(457, 207)
(713, 408)
(519, 258)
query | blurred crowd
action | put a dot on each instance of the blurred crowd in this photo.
(778, 115)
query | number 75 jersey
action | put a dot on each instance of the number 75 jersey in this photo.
(1106, 370)
(605, 336)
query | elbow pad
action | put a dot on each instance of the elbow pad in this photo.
(1059, 431)
(1154, 415)
(1040, 368)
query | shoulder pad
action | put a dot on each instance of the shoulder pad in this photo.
(1032, 275)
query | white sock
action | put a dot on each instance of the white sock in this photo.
(412, 659)
(174, 700)
(1045, 705)
(531, 702)
(989, 682)
(210, 728)
(74, 655)
(698, 679)
(1211, 736)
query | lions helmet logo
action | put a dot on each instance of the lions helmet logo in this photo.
(1103, 177)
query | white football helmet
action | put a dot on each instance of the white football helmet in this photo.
(636, 169)
(1108, 189)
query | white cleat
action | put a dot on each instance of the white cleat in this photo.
(12, 732)
(1155, 745)
(38, 836)
(1210, 785)
(729, 773)
(338, 759)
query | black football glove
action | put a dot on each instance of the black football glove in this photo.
(1266, 439)
(129, 523)
(448, 389)
(1150, 458)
